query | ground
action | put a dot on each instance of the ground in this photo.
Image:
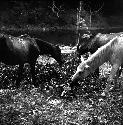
(45, 105)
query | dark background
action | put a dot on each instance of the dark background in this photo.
(36, 12)
(111, 7)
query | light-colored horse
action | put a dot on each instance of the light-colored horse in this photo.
(91, 43)
(112, 52)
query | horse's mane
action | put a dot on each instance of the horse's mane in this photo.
(44, 42)
(33, 41)
(46, 47)
(101, 55)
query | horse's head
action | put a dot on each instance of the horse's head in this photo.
(57, 55)
(83, 44)
(82, 72)
(81, 49)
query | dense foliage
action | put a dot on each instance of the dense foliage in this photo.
(45, 14)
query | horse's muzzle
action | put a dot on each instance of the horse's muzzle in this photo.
(75, 78)
(74, 82)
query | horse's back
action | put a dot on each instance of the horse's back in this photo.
(118, 50)
(26, 47)
(17, 50)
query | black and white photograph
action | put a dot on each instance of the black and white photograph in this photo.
(61, 62)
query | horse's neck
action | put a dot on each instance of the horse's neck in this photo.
(45, 47)
(98, 58)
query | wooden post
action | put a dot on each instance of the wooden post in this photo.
(90, 17)
(78, 22)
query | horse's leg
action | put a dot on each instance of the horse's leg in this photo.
(96, 72)
(119, 71)
(113, 72)
(20, 74)
(118, 74)
(32, 70)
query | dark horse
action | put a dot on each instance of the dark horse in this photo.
(21, 50)
(91, 43)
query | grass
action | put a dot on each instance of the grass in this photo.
(45, 106)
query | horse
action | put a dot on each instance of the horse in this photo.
(21, 50)
(90, 43)
(112, 52)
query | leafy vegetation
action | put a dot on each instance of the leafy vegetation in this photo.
(45, 105)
